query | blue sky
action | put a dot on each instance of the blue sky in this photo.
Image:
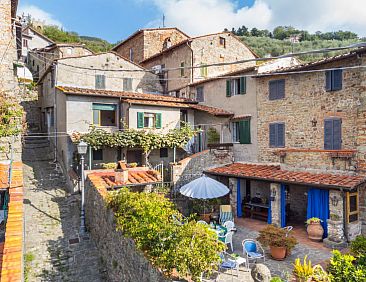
(114, 20)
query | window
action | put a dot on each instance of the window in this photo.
(332, 134)
(241, 132)
(352, 207)
(163, 152)
(148, 120)
(203, 70)
(277, 89)
(131, 54)
(99, 81)
(333, 80)
(222, 42)
(25, 43)
(183, 117)
(104, 114)
(182, 69)
(69, 51)
(236, 86)
(98, 155)
(277, 135)
(127, 84)
(200, 94)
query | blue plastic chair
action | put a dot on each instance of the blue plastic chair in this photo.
(253, 250)
(228, 263)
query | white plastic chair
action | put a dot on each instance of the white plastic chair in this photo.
(229, 225)
(202, 222)
(228, 239)
(288, 229)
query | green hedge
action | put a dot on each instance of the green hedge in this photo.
(153, 222)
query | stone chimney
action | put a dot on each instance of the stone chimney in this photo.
(121, 173)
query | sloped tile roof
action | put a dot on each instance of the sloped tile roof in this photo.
(211, 110)
(135, 177)
(276, 174)
(158, 103)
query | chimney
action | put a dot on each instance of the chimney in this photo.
(121, 173)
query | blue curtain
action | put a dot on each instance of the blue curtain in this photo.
(269, 219)
(283, 205)
(318, 206)
(239, 212)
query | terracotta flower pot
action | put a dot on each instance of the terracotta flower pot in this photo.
(315, 231)
(278, 253)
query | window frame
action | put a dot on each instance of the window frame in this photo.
(202, 94)
(102, 85)
(164, 150)
(348, 211)
(182, 70)
(331, 75)
(93, 155)
(277, 144)
(333, 141)
(222, 41)
(235, 132)
(203, 70)
(131, 54)
(127, 81)
(275, 83)
(150, 115)
(99, 115)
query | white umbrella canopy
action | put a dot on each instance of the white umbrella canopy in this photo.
(204, 188)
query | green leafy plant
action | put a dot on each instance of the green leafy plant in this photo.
(319, 274)
(358, 249)
(109, 165)
(303, 271)
(276, 237)
(276, 279)
(313, 220)
(334, 217)
(10, 118)
(343, 268)
(150, 219)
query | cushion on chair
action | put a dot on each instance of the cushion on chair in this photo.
(254, 255)
(228, 264)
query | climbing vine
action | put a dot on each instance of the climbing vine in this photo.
(10, 115)
(147, 140)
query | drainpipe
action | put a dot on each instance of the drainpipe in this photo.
(54, 71)
(192, 62)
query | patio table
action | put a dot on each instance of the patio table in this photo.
(220, 231)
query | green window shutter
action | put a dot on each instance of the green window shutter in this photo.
(228, 88)
(95, 117)
(140, 120)
(244, 132)
(243, 85)
(158, 120)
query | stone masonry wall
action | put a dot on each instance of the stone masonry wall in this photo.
(306, 100)
(123, 261)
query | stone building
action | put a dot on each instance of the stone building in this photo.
(32, 39)
(145, 43)
(311, 149)
(39, 60)
(179, 55)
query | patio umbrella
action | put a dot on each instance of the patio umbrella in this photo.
(204, 188)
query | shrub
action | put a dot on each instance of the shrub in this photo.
(303, 271)
(150, 219)
(342, 268)
(276, 237)
(358, 246)
(276, 279)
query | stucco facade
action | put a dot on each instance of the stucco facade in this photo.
(32, 39)
(148, 42)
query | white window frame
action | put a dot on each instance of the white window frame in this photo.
(235, 132)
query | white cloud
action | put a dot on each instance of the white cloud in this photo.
(39, 14)
(206, 16)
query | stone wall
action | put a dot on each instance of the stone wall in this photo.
(119, 254)
(192, 167)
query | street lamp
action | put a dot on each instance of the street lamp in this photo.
(82, 148)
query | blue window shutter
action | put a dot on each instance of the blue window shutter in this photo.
(280, 135)
(272, 134)
(140, 120)
(158, 120)
(272, 90)
(328, 134)
(228, 88)
(243, 85)
(337, 134)
(328, 80)
(337, 79)
(280, 89)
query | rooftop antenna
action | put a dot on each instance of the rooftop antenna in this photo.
(163, 20)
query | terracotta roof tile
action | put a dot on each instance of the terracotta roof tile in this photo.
(211, 110)
(276, 174)
(158, 103)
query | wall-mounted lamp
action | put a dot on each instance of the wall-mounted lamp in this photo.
(273, 195)
(334, 199)
(314, 122)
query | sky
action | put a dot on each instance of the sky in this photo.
(115, 20)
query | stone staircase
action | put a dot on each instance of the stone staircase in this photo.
(36, 148)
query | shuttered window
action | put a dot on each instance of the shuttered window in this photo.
(244, 131)
(182, 69)
(277, 89)
(236, 86)
(277, 135)
(333, 80)
(228, 88)
(203, 70)
(333, 134)
(127, 84)
(99, 81)
(200, 94)
(104, 114)
(149, 120)
(158, 120)
(140, 120)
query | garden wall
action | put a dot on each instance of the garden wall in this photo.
(119, 254)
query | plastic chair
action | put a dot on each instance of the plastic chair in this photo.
(288, 229)
(228, 239)
(202, 222)
(252, 250)
(226, 214)
(229, 225)
(228, 263)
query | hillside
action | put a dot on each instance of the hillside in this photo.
(265, 46)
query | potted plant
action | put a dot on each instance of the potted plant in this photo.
(315, 229)
(275, 238)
